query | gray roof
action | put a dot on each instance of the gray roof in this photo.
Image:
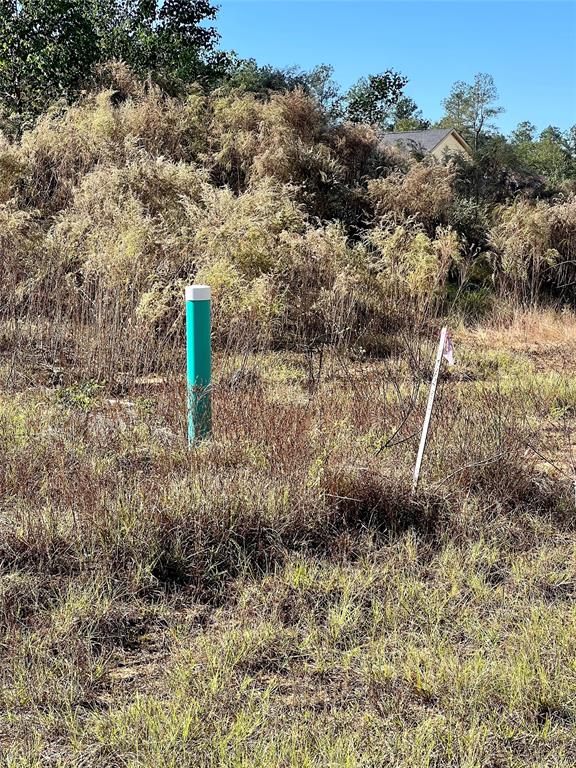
(423, 141)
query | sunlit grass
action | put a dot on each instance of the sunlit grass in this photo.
(275, 597)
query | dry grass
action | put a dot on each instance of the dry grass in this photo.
(275, 597)
(309, 234)
(424, 191)
(523, 329)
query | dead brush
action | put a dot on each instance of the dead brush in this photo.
(275, 595)
(116, 209)
(63, 147)
(424, 190)
(532, 244)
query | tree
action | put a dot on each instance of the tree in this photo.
(490, 176)
(407, 117)
(571, 140)
(524, 133)
(262, 80)
(320, 84)
(48, 48)
(372, 98)
(249, 76)
(552, 154)
(163, 37)
(471, 108)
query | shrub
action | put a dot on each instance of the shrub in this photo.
(65, 145)
(20, 239)
(309, 233)
(563, 238)
(522, 239)
(12, 169)
(471, 219)
(412, 268)
(423, 192)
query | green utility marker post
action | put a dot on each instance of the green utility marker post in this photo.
(198, 362)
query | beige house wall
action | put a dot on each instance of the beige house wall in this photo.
(449, 144)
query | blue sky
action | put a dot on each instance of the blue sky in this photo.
(528, 46)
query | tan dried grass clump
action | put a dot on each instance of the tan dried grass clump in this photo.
(20, 254)
(283, 139)
(112, 205)
(562, 218)
(133, 236)
(13, 169)
(123, 222)
(359, 149)
(546, 334)
(424, 192)
(413, 268)
(241, 247)
(106, 129)
(534, 246)
(235, 137)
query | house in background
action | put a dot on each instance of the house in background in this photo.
(438, 142)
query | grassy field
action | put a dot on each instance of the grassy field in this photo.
(276, 597)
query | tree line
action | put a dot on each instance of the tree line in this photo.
(51, 51)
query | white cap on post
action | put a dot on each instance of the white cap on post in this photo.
(198, 293)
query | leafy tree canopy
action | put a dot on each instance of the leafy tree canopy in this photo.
(247, 75)
(373, 98)
(48, 48)
(551, 154)
(471, 108)
(320, 84)
(407, 117)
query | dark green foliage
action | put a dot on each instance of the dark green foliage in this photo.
(407, 116)
(372, 99)
(320, 84)
(166, 39)
(48, 48)
(248, 76)
(551, 154)
(471, 219)
(493, 174)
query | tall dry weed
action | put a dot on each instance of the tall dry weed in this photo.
(424, 191)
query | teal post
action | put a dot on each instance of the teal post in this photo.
(198, 362)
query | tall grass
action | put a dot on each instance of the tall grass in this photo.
(309, 234)
(277, 596)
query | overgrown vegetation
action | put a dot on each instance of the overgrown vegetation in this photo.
(310, 233)
(277, 596)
